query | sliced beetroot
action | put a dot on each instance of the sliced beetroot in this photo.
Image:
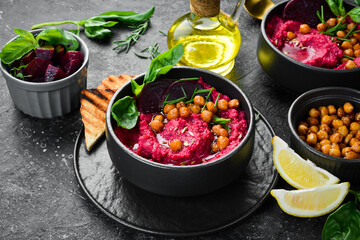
(45, 52)
(27, 58)
(151, 96)
(305, 11)
(36, 68)
(58, 54)
(175, 90)
(72, 66)
(53, 73)
(71, 55)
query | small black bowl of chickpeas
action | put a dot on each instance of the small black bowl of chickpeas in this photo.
(325, 128)
(297, 75)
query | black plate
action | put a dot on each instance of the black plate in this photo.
(190, 216)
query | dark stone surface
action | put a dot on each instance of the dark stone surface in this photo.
(39, 194)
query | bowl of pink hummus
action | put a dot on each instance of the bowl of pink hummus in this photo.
(299, 55)
(183, 153)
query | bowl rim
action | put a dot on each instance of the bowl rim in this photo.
(304, 144)
(314, 68)
(54, 84)
(251, 127)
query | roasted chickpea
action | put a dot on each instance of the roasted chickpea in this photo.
(168, 107)
(357, 46)
(331, 109)
(350, 64)
(353, 41)
(326, 148)
(354, 126)
(341, 19)
(317, 147)
(340, 34)
(184, 112)
(303, 137)
(331, 22)
(353, 141)
(234, 103)
(156, 125)
(326, 119)
(321, 27)
(346, 121)
(343, 131)
(340, 112)
(290, 35)
(223, 132)
(325, 142)
(357, 36)
(342, 145)
(351, 155)
(349, 52)
(336, 123)
(344, 60)
(348, 107)
(346, 45)
(335, 146)
(172, 114)
(334, 152)
(325, 128)
(216, 129)
(321, 135)
(336, 138)
(350, 26)
(348, 138)
(206, 116)
(199, 100)
(311, 138)
(211, 107)
(313, 129)
(356, 147)
(214, 148)
(357, 53)
(312, 121)
(159, 117)
(357, 117)
(304, 28)
(175, 145)
(344, 150)
(223, 104)
(323, 111)
(222, 142)
(195, 108)
(180, 105)
(314, 113)
(304, 123)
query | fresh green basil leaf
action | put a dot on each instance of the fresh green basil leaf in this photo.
(98, 22)
(341, 8)
(54, 36)
(163, 63)
(357, 2)
(97, 32)
(136, 88)
(343, 224)
(16, 49)
(26, 35)
(355, 14)
(114, 14)
(333, 4)
(135, 18)
(125, 112)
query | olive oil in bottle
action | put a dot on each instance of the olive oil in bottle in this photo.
(211, 40)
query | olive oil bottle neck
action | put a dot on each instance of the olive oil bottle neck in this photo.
(205, 8)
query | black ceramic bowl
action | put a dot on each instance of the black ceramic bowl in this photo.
(345, 169)
(182, 180)
(293, 74)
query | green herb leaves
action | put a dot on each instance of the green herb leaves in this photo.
(337, 7)
(355, 14)
(53, 36)
(125, 112)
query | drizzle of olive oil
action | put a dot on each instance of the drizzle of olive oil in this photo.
(209, 43)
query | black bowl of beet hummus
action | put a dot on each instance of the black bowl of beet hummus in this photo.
(309, 60)
(143, 156)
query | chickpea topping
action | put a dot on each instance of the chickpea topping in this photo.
(314, 112)
(357, 53)
(357, 46)
(168, 107)
(325, 128)
(195, 108)
(323, 111)
(344, 60)
(357, 117)
(173, 113)
(325, 142)
(326, 148)
(340, 34)
(214, 148)
(180, 105)
(343, 131)
(290, 35)
(354, 126)
(350, 64)
(353, 40)
(223, 132)
(156, 125)
(206, 116)
(357, 36)
(337, 123)
(356, 147)
(348, 138)
(321, 27)
(317, 146)
(336, 138)
(340, 112)
(311, 138)
(334, 152)
(346, 45)
(350, 26)
(223, 104)
(331, 22)
(331, 109)
(304, 28)
(349, 52)
(326, 120)
(313, 129)
(222, 142)
(353, 141)
(322, 135)
(234, 103)
(159, 117)
(216, 129)
(341, 19)
(175, 145)
(346, 121)
(199, 100)
(351, 155)
(348, 107)
(184, 112)
(312, 121)
(211, 107)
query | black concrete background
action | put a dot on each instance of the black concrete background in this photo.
(39, 194)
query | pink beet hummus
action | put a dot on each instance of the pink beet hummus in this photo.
(194, 133)
(315, 49)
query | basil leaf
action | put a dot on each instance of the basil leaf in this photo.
(343, 224)
(136, 88)
(357, 2)
(163, 63)
(129, 17)
(27, 35)
(16, 49)
(97, 32)
(337, 7)
(98, 22)
(125, 112)
(355, 14)
(54, 36)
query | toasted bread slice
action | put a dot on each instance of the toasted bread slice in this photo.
(94, 103)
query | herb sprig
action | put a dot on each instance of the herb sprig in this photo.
(153, 52)
(131, 39)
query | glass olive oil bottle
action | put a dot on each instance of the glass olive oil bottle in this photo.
(211, 41)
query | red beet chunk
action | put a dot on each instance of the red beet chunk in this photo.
(175, 90)
(45, 52)
(58, 54)
(24, 60)
(72, 66)
(53, 73)
(71, 55)
(151, 96)
(36, 68)
(305, 11)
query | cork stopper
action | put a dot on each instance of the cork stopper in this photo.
(205, 8)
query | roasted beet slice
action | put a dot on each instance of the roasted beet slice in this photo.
(71, 55)
(71, 66)
(36, 68)
(53, 73)
(151, 96)
(58, 54)
(45, 52)
(305, 11)
(175, 90)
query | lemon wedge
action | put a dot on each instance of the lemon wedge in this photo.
(311, 202)
(298, 172)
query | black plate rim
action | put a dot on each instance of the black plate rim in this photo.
(166, 233)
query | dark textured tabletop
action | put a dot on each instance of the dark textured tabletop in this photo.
(40, 197)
